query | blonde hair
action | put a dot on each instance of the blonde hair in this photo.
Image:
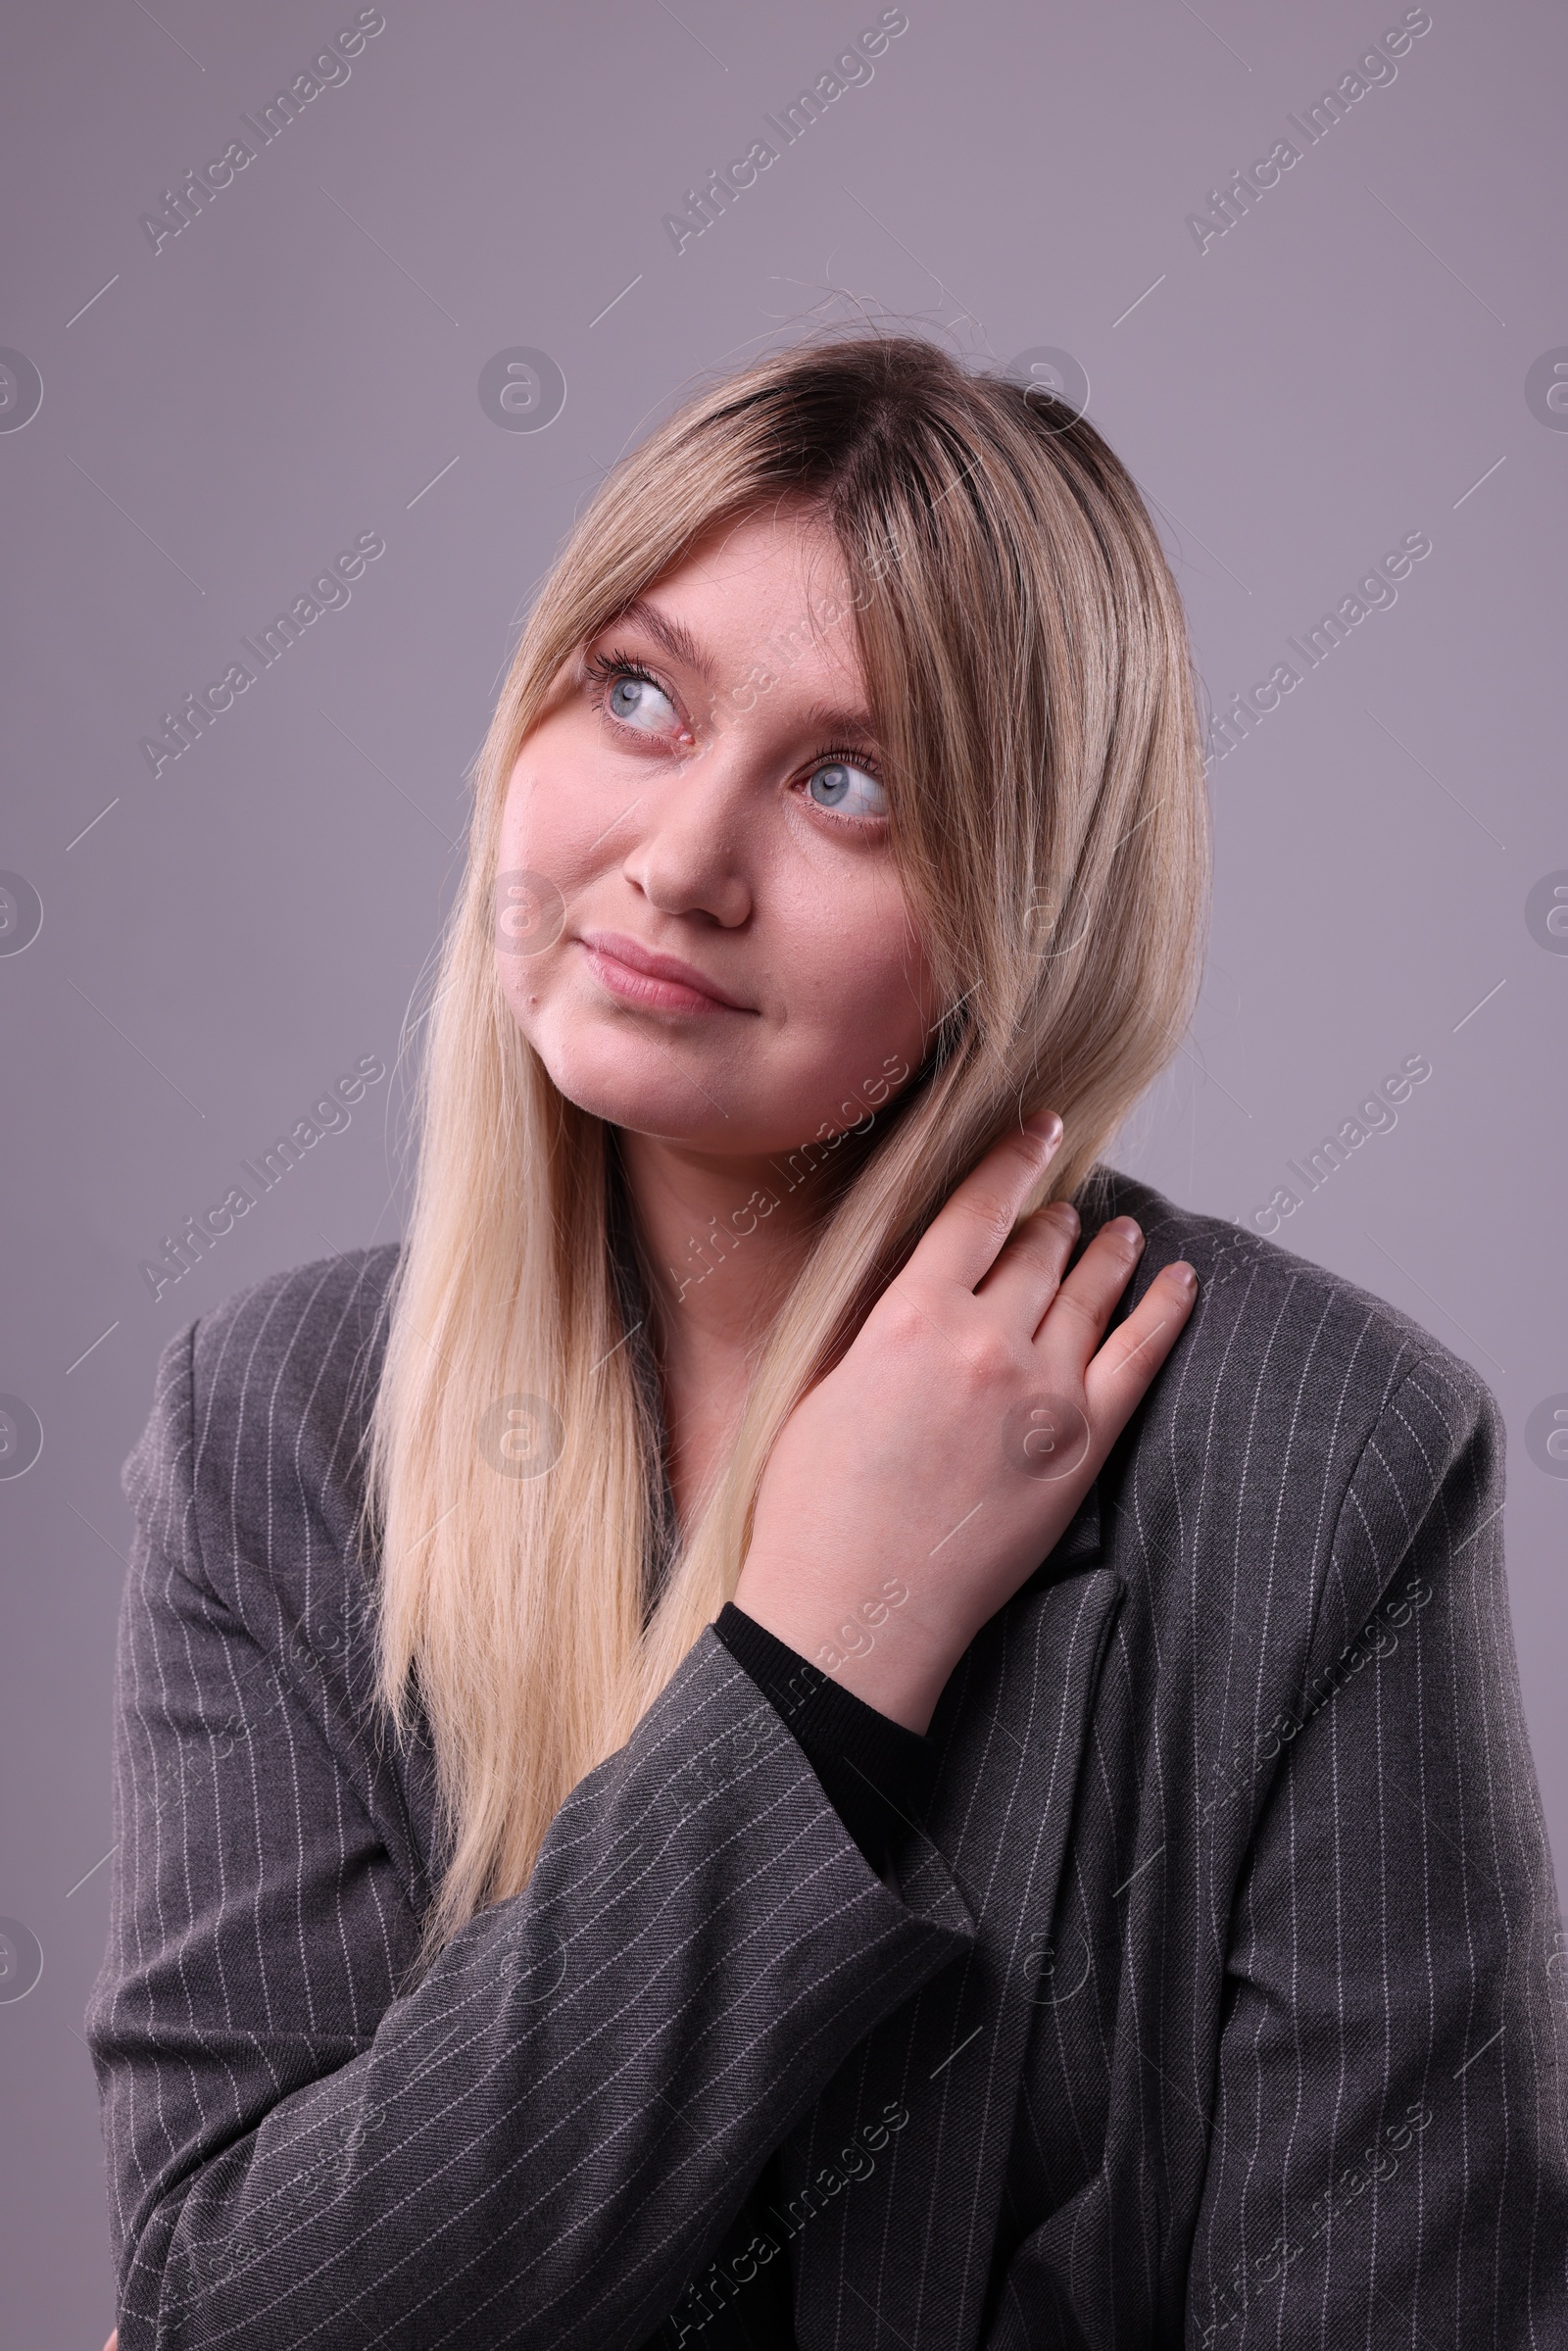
(1028, 674)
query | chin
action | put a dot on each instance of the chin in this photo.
(631, 1082)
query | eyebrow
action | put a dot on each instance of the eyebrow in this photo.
(829, 719)
(678, 640)
(681, 646)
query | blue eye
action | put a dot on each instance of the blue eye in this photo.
(630, 695)
(848, 789)
(631, 699)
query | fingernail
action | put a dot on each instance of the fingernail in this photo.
(1183, 1275)
(1130, 1229)
(1046, 1124)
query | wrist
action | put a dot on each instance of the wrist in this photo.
(876, 1648)
(906, 1696)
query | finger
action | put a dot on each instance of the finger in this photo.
(1119, 1377)
(962, 1241)
(1027, 1274)
(1080, 1313)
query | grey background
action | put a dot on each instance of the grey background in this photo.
(1341, 369)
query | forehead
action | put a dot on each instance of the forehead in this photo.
(770, 589)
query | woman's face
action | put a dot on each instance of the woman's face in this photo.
(711, 943)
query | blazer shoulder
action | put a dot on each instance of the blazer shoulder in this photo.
(1261, 1303)
(301, 1330)
(1302, 1425)
(262, 1405)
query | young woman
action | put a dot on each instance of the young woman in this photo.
(778, 1729)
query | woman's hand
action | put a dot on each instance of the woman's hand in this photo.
(917, 1485)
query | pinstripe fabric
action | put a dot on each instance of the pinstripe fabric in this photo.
(1219, 1983)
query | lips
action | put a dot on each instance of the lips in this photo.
(661, 983)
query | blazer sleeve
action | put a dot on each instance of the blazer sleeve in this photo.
(876, 1772)
(545, 2137)
(1387, 2157)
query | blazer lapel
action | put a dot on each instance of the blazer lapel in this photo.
(891, 2186)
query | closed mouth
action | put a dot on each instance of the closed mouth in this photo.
(664, 982)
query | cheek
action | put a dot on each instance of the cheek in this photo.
(526, 808)
(858, 985)
(559, 798)
(526, 916)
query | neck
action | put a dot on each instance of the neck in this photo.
(720, 1242)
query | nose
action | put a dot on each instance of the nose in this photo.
(694, 847)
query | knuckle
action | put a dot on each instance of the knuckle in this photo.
(905, 1327)
(990, 1360)
(991, 1213)
(1040, 1243)
(1069, 1307)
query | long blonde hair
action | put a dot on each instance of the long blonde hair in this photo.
(1027, 668)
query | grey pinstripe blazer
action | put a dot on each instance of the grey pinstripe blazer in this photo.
(1219, 1987)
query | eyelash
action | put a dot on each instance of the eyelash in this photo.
(606, 668)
